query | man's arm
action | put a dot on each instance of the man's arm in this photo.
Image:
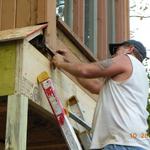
(105, 68)
(92, 85)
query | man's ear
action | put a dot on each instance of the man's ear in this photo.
(131, 49)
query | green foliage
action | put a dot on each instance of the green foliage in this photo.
(148, 109)
(146, 62)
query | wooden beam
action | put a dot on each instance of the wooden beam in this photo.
(122, 20)
(8, 14)
(16, 128)
(78, 18)
(51, 19)
(102, 30)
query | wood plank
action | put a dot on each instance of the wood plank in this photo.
(78, 18)
(8, 14)
(41, 12)
(122, 21)
(8, 68)
(23, 13)
(102, 30)
(51, 19)
(33, 12)
(64, 40)
(16, 128)
(75, 40)
(33, 64)
(20, 33)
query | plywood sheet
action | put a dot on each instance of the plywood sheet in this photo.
(33, 64)
(7, 68)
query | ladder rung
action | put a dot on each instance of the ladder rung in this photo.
(79, 120)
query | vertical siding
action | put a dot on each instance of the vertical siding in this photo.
(23, 13)
(41, 11)
(33, 12)
(78, 18)
(8, 14)
(102, 35)
(122, 20)
(20, 13)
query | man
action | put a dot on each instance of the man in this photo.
(120, 119)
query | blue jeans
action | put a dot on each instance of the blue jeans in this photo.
(121, 147)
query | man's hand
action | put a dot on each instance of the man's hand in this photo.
(57, 60)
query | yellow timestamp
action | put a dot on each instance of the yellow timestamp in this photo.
(142, 135)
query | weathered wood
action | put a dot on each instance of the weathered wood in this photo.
(33, 64)
(23, 13)
(16, 128)
(8, 14)
(8, 68)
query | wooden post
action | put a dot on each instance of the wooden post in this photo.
(102, 30)
(122, 20)
(16, 128)
(78, 18)
(51, 19)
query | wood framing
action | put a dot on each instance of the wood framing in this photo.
(16, 129)
(51, 19)
(122, 20)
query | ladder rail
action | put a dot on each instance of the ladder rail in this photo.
(58, 111)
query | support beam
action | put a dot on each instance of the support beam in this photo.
(122, 20)
(16, 128)
(102, 30)
(51, 19)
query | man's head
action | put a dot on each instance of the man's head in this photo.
(130, 46)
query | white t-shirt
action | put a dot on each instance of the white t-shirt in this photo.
(120, 116)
